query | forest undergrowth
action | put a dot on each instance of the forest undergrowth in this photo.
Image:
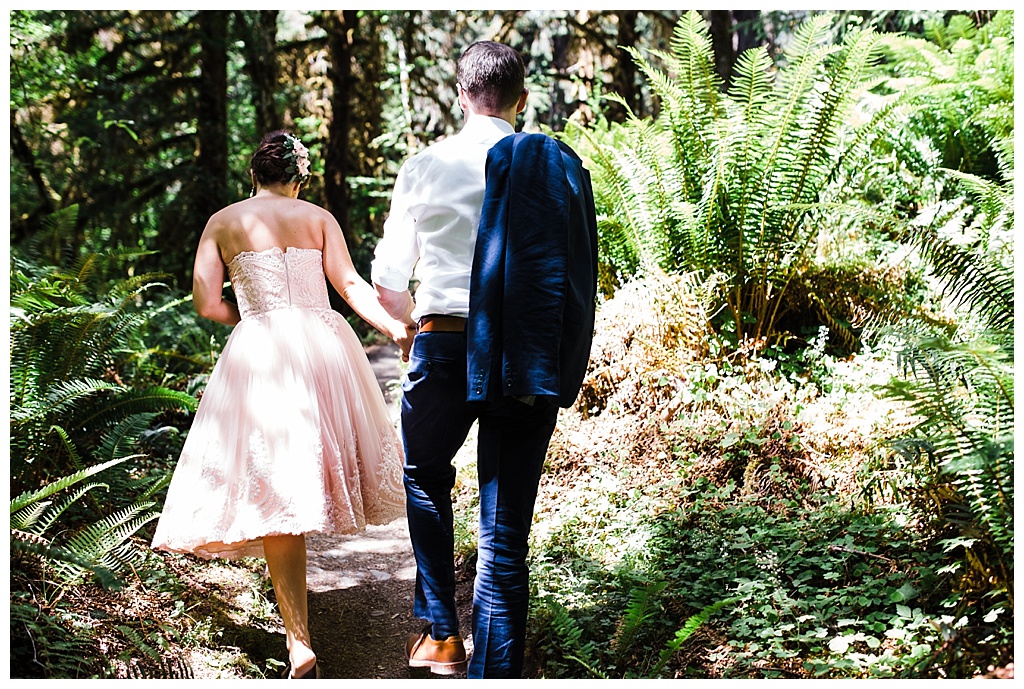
(699, 516)
(729, 518)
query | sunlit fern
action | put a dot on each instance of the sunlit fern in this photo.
(68, 340)
(104, 547)
(958, 381)
(732, 181)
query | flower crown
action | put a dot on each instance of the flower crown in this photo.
(297, 157)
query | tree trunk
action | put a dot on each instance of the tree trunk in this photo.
(367, 117)
(624, 69)
(261, 66)
(342, 27)
(747, 36)
(22, 152)
(212, 121)
(720, 25)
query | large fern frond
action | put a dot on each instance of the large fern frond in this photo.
(104, 543)
(642, 607)
(693, 60)
(60, 484)
(124, 435)
(132, 401)
(67, 561)
(982, 286)
(38, 522)
(61, 398)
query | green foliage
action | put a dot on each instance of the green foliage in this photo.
(50, 557)
(960, 78)
(958, 382)
(58, 644)
(85, 392)
(687, 631)
(712, 479)
(102, 549)
(72, 343)
(956, 465)
(824, 589)
(734, 181)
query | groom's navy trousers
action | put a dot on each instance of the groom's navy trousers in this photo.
(512, 442)
(523, 354)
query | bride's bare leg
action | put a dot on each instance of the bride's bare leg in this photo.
(286, 559)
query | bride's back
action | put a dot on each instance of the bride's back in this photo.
(266, 221)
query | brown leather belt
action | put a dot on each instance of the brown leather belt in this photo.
(442, 324)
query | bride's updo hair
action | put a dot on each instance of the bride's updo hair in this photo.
(280, 157)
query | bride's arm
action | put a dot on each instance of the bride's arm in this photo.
(357, 292)
(208, 275)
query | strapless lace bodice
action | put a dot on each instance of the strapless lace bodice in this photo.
(273, 279)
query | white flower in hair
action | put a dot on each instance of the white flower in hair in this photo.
(297, 156)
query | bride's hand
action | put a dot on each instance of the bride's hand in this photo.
(403, 338)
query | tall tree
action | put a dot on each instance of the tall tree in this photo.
(720, 25)
(23, 153)
(259, 29)
(624, 76)
(212, 120)
(342, 27)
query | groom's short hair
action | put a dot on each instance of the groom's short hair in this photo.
(492, 75)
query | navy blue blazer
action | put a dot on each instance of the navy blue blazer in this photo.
(534, 281)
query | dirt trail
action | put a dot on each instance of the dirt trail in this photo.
(361, 586)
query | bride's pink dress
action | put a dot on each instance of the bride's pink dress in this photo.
(292, 434)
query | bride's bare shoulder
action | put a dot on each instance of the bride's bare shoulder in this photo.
(230, 213)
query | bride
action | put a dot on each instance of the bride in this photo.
(292, 435)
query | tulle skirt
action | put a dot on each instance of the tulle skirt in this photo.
(292, 436)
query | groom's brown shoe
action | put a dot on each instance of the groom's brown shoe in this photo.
(442, 657)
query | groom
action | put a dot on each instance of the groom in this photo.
(500, 232)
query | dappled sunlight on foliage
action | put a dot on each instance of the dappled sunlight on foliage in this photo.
(699, 479)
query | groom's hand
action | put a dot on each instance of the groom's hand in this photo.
(404, 341)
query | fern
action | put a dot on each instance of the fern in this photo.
(85, 388)
(38, 518)
(67, 344)
(958, 380)
(984, 287)
(101, 548)
(105, 545)
(62, 559)
(732, 181)
(569, 637)
(642, 607)
(41, 647)
(138, 641)
(687, 630)
(29, 498)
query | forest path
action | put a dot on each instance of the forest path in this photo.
(361, 585)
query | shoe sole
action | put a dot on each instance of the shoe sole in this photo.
(440, 668)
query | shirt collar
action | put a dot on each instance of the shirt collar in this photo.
(486, 127)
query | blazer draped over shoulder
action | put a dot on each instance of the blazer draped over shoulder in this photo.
(534, 279)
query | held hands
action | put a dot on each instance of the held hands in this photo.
(403, 337)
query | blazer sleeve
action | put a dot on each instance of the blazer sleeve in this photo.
(486, 289)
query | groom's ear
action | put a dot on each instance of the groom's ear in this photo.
(522, 100)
